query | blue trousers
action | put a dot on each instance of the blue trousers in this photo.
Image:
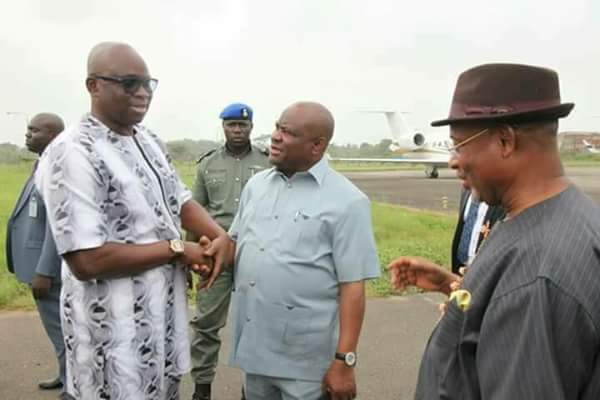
(260, 387)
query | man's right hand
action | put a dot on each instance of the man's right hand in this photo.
(194, 257)
(222, 250)
(420, 272)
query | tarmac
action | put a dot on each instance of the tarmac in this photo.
(412, 189)
(393, 337)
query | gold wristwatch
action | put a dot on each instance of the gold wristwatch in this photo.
(177, 247)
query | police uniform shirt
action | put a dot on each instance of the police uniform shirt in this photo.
(221, 177)
(297, 239)
(532, 327)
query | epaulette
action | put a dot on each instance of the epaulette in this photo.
(203, 156)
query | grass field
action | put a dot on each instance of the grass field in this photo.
(580, 159)
(398, 231)
(12, 178)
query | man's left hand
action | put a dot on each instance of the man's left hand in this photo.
(40, 286)
(339, 381)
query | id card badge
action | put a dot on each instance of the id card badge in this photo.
(33, 207)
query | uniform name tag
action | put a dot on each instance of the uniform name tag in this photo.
(33, 207)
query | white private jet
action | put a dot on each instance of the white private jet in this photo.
(413, 146)
(589, 148)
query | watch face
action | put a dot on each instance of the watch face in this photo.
(177, 246)
(350, 359)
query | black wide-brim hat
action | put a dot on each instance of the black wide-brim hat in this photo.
(506, 93)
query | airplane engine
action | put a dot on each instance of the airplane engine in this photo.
(419, 139)
(408, 143)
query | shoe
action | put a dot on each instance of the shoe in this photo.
(50, 385)
(201, 391)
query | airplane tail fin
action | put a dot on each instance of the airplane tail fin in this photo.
(396, 122)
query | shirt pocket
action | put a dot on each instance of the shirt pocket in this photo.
(305, 233)
(285, 329)
(216, 181)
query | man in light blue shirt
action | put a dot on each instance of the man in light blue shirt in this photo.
(304, 248)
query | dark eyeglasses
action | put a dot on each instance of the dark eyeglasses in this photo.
(131, 84)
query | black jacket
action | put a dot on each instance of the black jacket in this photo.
(493, 214)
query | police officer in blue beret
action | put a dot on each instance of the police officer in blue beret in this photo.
(221, 176)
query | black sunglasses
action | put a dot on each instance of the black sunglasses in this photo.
(131, 84)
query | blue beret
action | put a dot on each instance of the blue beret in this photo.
(236, 111)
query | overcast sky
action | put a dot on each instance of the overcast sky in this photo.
(349, 55)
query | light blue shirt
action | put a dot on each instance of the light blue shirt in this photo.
(297, 239)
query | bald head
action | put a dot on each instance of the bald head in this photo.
(301, 136)
(317, 119)
(52, 122)
(41, 130)
(111, 57)
(120, 86)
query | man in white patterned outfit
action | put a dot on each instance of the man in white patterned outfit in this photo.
(116, 206)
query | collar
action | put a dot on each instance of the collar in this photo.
(95, 123)
(317, 171)
(241, 155)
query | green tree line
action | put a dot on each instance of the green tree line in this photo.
(186, 150)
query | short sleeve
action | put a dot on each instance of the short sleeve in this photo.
(74, 194)
(354, 252)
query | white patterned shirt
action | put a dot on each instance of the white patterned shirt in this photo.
(125, 338)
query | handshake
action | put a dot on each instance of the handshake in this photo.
(207, 258)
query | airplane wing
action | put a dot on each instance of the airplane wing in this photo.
(431, 164)
(421, 161)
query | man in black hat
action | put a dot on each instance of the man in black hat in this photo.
(524, 321)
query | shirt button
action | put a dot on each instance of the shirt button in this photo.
(237, 179)
(248, 319)
(262, 249)
(252, 283)
(236, 200)
(289, 185)
(276, 217)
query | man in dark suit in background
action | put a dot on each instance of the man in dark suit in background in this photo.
(30, 250)
(475, 220)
